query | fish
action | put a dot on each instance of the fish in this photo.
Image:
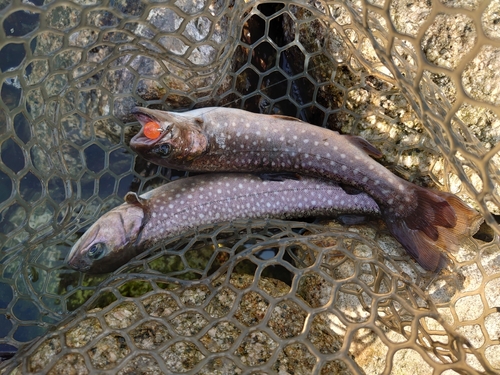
(428, 223)
(184, 204)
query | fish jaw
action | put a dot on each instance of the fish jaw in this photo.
(109, 241)
(180, 142)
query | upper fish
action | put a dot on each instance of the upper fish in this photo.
(175, 207)
(425, 222)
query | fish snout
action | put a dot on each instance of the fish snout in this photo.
(79, 263)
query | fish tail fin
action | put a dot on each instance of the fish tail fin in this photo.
(437, 226)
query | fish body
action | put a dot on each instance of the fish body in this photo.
(233, 140)
(178, 206)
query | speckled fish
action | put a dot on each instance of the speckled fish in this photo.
(227, 140)
(173, 208)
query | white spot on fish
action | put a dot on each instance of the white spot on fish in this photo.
(344, 168)
(401, 187)
(390, 201)
(342, 156)
(294, 137)
(306, 140)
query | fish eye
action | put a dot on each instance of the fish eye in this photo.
(162, 150)
(96, 250)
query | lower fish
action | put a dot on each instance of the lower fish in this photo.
(184, 204)
(427, 223)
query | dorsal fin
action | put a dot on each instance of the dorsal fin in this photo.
(133, 198)
(288, 118)
(364, 145)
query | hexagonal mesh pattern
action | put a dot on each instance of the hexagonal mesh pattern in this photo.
(418, 79)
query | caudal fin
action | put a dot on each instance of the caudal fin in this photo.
(436, 226)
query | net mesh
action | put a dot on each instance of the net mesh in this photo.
(418, 79)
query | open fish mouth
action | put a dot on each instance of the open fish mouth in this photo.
(140, 138)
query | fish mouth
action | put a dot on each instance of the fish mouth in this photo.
(74, 259)
(140, 140)
(78, 264)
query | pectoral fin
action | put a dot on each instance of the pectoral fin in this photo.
(279, 176)
(133, 198)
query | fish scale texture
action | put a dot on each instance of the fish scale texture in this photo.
(418, 79)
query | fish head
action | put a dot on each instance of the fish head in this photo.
(169, 139)
(110, 242)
